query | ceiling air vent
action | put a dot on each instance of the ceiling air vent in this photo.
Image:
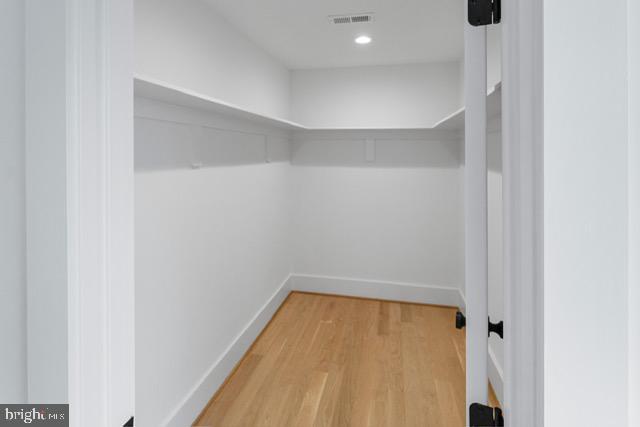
(351, 19)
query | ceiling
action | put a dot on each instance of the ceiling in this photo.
(299, 34)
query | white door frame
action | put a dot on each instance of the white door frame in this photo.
(522, 133)
(79, 139)
(522, 142)
(100, 216)
(101, 209)
(634, 211)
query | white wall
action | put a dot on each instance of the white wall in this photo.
(225, 243)
(395, 96)
(188, 44)
(585, 213)
(212, 246)
(13, 375)
(395, 218)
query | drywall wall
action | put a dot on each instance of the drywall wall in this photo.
(212, 248)
(390, 212)
(217, 207)
(393, 96)
(633, 49)
(585, 214)
(13, 374)
(188, 44)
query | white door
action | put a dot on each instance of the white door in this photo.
(476, 245)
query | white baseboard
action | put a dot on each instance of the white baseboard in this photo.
(495, 376)
(194, 402)
(394, 291)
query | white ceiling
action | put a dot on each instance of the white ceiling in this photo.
(298, 33)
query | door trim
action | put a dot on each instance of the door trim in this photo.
(100, 211)
(522, 142)
(79, 127)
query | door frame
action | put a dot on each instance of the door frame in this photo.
(633, 48)
(522, 145)
(79, 170)
(100, 186)
(522, 152)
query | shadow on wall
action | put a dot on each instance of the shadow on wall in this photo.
(162, 144)
(165, 145)
(171, 137)
(378, 152)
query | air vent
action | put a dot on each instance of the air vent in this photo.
(359, 18)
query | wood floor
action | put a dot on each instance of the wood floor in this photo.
(335, 361)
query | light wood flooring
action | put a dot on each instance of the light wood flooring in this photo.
(335, 361)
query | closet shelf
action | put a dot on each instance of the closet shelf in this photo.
(161, 91)
(164, 92)
(455, 121)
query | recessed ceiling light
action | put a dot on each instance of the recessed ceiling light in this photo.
(363, 40)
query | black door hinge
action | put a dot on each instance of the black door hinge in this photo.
(461, 321)
(129, 423)
(496, 328)
(485, 416)
(484, 12)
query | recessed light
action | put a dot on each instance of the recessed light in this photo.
(363, 40)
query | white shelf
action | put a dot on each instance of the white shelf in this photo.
(455, 121)
(372, 129)
(157, 90)
(161, 91)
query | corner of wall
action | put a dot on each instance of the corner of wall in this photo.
(196, 399)
(221, 61)
(377, 289)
